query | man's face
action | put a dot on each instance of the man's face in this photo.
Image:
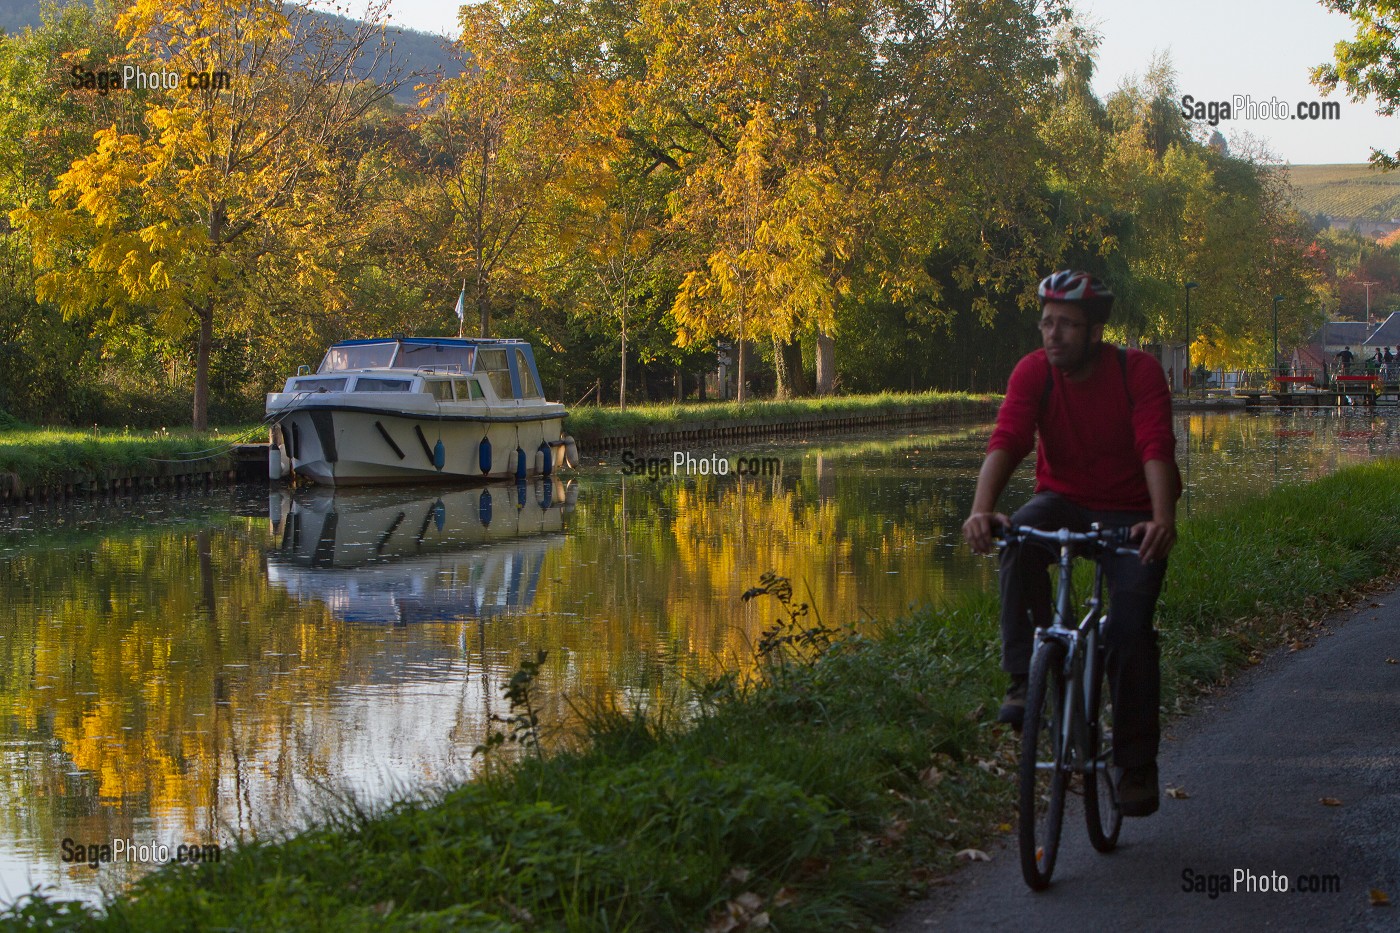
(1068, 336)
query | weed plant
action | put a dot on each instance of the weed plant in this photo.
(815, 795)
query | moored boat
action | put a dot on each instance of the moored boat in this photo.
(416, 409)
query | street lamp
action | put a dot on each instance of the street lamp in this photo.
(1368, 304)
(1186, 381)
(1277, 368)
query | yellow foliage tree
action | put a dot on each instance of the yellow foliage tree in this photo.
(238, 167)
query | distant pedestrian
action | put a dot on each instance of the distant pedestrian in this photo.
(1344, 358)
(1389, 357)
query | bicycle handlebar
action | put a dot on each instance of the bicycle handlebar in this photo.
(1105, 539)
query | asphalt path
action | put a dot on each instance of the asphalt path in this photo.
(1289, 776)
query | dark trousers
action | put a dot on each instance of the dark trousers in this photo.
(1133, 658)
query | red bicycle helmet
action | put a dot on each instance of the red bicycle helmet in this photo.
(1079, 288)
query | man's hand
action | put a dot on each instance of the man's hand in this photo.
(1154, 539)
(979, 528)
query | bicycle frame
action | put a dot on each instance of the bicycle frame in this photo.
(1081, 665)
(1063, 709)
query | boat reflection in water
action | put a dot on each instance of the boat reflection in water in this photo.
(382, 556)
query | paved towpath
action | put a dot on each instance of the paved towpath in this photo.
(1292, 772)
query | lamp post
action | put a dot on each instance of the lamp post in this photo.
(1187, 380)
(1367, 286)
(1277, 368)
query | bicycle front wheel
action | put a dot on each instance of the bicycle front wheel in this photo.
(1101, 810)
(1042, 799)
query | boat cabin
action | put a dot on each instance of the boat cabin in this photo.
(449, 369)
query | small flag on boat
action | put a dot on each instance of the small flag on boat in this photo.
(462, 303)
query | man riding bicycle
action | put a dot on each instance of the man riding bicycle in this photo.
(1106, 453)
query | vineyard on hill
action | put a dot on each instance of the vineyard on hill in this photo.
(1356, 191)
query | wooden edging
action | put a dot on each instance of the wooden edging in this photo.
(119, 481)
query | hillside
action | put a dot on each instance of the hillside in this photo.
(1355, 191)
(417, 51)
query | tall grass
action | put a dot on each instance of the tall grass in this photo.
(40, 456)
(585, 422)
(815, 795)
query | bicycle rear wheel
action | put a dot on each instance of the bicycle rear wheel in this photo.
(1042, 798)
(1101, 811)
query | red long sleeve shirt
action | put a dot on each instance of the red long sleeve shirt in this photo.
(1092, 440)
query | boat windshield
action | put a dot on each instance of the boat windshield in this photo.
(363, 356)
(434, 356)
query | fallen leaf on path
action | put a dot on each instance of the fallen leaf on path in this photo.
(740, 874)
(1379, 898)
(930, 776)
(1330, 802)
(749, 901)
(973, 855)
(1299, 646)
(1004, 828)
(895, 830)
(1391, 661)
(1177, 793)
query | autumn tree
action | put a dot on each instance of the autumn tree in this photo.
(489, 150)
(895, 130)
(223, 176)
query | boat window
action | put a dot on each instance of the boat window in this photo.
(492, 362)
(441, 357)
(528, 389)
(441, 389)
(371, 384)
(468, 389)
(365, 356)
(320, 385)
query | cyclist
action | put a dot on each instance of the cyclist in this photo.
(1106, 453)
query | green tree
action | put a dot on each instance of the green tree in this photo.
(1368, 65)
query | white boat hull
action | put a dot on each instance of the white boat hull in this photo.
(342, 446)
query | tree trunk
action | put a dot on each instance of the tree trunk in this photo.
(678, 378)
(201, 365)
(826, 364)
(782, 389)
(622, 382)
(740, 346)
(792, 357)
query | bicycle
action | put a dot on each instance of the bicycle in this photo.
(1067, 729)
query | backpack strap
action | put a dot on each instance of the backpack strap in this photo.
(1122, 367)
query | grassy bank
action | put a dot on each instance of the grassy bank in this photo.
(39, 457)
(585, 423)
(815, 799)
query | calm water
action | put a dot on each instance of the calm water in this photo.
(184, 669)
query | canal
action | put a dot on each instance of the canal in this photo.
(182, 669)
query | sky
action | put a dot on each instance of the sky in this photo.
(1258, 49)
